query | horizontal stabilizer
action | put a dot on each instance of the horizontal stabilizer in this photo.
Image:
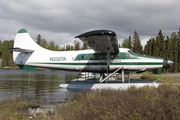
(21, 50)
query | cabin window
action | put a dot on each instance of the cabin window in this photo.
(130, 52)
(100, 56)
(83, 57)
(92, 57)
(112, 56)
(104, 56)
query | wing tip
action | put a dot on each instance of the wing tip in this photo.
(97, 32)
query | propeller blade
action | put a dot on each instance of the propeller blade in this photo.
(170, 62)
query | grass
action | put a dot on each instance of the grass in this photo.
(169, 79)
(143, 103)
(163, 78)
(150, 103)
(15, 108)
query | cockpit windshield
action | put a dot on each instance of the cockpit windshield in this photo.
(130, 52)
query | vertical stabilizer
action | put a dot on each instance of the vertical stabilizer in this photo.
(24, 47)
(24, 41)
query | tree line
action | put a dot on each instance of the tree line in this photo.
(6, 55)
(52, 46)
(160, 46)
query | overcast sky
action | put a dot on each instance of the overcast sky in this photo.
(62, 20)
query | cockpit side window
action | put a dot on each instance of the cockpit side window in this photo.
(129, 51)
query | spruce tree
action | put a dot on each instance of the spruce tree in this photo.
(76, 45)
(72, 48)
(161, 44)
(137, 47)
(44, 43)
(7, 59)
(38, 38)
(125, 43)
(51, 45)
(130, 43)
(154, 53)
(174, 38)
(148, 48)
(68, 47)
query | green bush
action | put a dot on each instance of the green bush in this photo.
(143, 103)
(149, 77)
(15, 108)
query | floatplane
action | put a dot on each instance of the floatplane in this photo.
(104, 56)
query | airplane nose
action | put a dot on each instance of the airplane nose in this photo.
(166, 63)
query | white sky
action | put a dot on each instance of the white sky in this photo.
(62, 20)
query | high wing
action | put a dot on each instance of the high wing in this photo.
(101, 41)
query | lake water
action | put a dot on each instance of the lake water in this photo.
(42, 85)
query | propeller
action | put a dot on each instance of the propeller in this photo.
(167, 61)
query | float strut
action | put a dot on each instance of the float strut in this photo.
(100, 80)
(130, 76)
(122, 75)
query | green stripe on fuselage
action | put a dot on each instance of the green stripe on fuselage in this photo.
(103, 56)
(120, 63)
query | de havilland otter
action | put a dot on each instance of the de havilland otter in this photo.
(104, 56)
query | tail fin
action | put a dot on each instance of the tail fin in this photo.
(24, 46)
(24, 41)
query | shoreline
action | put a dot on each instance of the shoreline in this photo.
(19, 68)
(9, 67)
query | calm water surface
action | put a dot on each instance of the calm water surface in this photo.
(42, 85)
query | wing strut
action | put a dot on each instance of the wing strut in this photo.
(110, 75)
(108, 60)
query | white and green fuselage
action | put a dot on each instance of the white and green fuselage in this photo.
(28, 55)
